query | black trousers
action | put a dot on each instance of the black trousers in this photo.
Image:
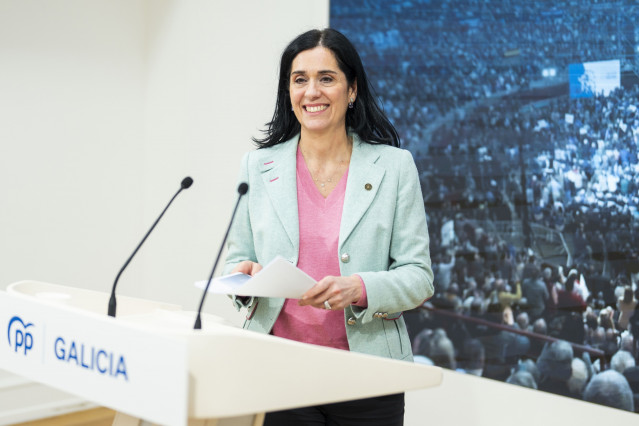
(385, 410)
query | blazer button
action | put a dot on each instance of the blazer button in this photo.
(351, 321)
(345, 257)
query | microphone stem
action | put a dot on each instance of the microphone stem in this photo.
(112, 301)
(198, 320)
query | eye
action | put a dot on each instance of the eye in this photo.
(299, 80)
(326, 79)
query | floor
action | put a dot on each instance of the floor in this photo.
(94, 417)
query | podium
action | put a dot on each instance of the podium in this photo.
(148, 363)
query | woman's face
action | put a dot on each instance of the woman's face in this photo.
(319, 91)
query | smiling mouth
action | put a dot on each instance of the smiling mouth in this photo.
(315, 108)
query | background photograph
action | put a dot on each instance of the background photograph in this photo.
(522, 119)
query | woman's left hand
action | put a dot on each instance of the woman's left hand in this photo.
(339, 292)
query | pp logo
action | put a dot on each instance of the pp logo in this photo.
(20, 339)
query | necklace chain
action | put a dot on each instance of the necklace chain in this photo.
(329, 180)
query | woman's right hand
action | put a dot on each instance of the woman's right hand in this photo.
(248, 267)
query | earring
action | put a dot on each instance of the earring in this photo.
(350, 104)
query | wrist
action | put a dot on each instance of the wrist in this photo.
(361, 298)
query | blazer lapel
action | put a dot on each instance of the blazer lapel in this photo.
(279, 174)
(364, 179)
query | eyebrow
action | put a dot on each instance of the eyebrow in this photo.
(319, 72)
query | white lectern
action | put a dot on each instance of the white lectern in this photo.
(148, 363)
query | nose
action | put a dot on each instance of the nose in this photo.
(312, 90)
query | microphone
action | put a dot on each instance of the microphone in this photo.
(241, 190)
(185, 184)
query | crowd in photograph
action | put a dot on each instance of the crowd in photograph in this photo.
(505, 173)
(430, 57)
(580, 180)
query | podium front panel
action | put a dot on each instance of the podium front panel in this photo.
(96, 357)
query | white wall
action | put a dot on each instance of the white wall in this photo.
(105, 105)
(71, 140)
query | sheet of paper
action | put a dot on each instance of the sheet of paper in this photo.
(280, 278)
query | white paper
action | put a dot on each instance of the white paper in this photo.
(280, 278)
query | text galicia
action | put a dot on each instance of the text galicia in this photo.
(91, 358)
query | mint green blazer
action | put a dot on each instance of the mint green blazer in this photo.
(383, 237)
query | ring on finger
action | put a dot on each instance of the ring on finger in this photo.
(327, 305)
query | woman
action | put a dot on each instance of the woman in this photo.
(330, 192)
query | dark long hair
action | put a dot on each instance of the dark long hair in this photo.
(366, 118)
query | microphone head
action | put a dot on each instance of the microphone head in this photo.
(243, 188)
(186, 182)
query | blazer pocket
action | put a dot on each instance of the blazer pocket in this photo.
(392, 329)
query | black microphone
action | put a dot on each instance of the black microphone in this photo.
(241, 190)
(185, 184)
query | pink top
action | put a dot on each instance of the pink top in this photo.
(319, 221)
